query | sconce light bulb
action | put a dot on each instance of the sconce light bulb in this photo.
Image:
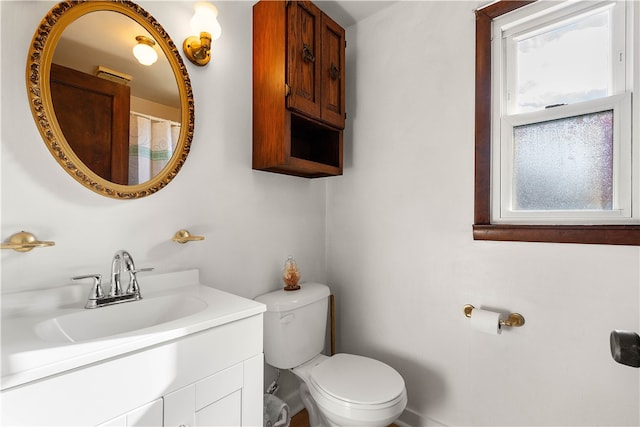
(205, 20)
(205, 25)
(144, 51)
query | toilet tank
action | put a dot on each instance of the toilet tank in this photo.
(294, 324)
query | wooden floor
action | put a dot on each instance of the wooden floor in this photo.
(301, 419)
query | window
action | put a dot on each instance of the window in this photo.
(556, 155)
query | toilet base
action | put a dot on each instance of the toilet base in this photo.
(316, 418)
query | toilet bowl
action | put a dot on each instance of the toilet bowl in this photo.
(350, 390)
(339, 390)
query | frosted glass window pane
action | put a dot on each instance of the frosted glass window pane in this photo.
(564, 164)
(565, 64)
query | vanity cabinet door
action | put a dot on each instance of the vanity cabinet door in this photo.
(179, 407)
(147, 415)
(222, 412)
(212, 401)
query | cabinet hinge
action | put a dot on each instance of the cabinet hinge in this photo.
(287, 90)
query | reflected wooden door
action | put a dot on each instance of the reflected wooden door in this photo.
(93, 114)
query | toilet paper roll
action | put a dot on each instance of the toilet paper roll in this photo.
(485, 321)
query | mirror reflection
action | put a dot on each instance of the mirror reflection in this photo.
(118, 127)
(130, 117)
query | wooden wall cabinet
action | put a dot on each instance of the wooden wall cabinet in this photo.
(298, 89)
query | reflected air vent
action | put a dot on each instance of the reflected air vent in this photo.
(112, 75)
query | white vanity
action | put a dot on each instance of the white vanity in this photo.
(186, 354)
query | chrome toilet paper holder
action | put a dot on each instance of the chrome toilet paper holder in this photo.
(514, 320)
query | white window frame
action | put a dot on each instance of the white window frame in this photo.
(626, 197)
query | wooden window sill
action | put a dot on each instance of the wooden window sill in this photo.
(587, 234)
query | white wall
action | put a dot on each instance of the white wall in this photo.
(402, 261)
(399, 252)
(251, 220)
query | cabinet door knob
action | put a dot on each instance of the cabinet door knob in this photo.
(334, 71)
(307, 55)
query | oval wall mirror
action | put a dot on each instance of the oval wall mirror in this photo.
(120, 128)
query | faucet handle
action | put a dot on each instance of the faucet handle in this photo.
(134, 288)
(142, 270)
(96, 288)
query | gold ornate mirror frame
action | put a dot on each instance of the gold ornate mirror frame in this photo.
(39, 61)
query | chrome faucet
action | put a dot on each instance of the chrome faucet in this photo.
(122, 262)
(122, 259)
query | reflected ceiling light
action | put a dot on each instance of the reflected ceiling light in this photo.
(205, 23)
(144, 51)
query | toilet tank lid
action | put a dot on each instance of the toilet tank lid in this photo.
(282, 300)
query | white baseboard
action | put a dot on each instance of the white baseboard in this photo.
(410, 418)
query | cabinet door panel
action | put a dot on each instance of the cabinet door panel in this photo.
(224, 412)
(180, 407)
(217, 386)
(149, 415)
(332, 72)
(303, 57)
(116, 422)
(252, 391)
(213, 401)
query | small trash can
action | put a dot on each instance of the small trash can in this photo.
(275, 412)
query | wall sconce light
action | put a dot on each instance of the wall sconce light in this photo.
(205, 23)
(144, 51)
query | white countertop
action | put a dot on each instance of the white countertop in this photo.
(26, 356)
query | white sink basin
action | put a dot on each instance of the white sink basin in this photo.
(117, 319)
(47, 332)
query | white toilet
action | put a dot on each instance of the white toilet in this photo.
(342, 390)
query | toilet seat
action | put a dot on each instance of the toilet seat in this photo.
(357, 381)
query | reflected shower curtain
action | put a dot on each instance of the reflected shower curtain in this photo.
(151, 144)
